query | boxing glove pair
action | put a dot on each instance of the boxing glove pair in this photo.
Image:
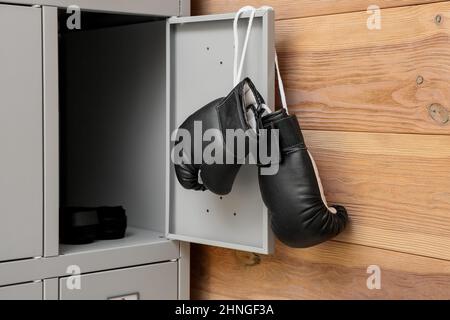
(300, 216)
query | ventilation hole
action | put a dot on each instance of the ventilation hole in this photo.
(221, 62)
(221, 198)
(235, 214)
(207, 48)
(207, 210)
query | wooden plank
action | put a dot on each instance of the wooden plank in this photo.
(341, 76)
(330, 271)
(288, 9)
(396, 188)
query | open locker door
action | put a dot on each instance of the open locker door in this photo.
(199, 70)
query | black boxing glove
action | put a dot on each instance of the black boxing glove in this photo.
(232, 112)
(300, 215)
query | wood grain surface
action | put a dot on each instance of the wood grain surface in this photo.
(288, 9)
(341, 76)
(396, 188)
(374, 106)
(330, 271)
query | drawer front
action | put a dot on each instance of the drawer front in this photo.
(153, 282)
(27, 291)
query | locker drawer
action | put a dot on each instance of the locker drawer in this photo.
(27, 291)
(153, 282)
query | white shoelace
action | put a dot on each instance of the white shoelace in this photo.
(237, 72)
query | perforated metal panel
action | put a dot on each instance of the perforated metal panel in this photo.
(200, 69)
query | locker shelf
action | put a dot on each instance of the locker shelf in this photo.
(135, 237)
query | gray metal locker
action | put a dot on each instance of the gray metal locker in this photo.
(21, 173)
(142, 72)
(127, 89)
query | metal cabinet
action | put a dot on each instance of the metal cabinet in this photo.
(27, 291)
(153, 282)
(97, 132)
(21, 158)
(124, 87)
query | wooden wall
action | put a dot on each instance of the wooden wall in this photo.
(374, 106)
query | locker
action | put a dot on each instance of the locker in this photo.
(125, 89)
(86, 120)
